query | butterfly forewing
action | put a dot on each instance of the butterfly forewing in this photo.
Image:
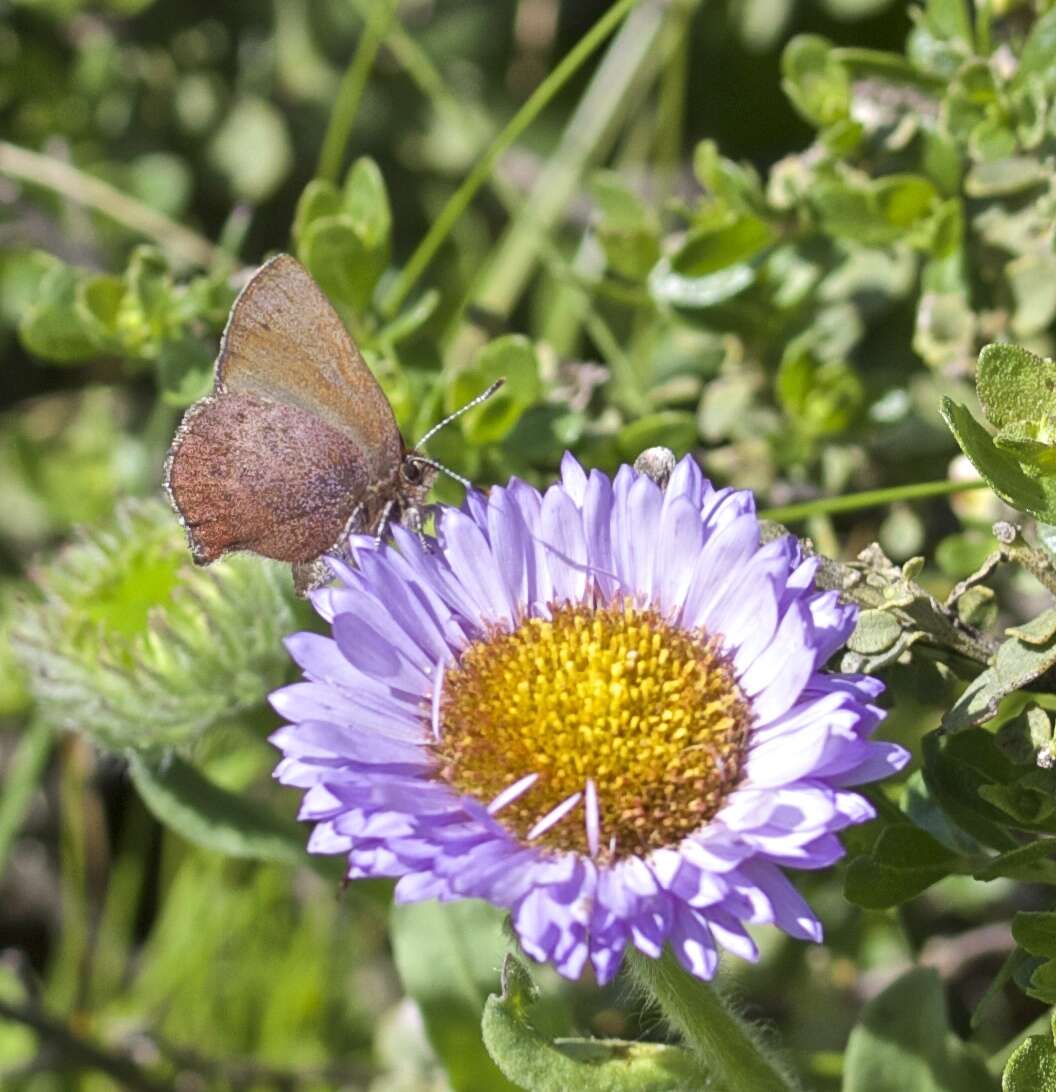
(284, 341)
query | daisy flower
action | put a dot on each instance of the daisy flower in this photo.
(602, 707)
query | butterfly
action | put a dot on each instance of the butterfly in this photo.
(296, 447)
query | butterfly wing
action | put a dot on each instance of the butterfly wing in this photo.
(284, 341)
(249, 473)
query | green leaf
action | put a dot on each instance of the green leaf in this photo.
(586, 1065)
(903, 1043)
(710, 250)
(950, 19)
(336, 255)
(1005, 177)
(21, 273)
(366, 202)
(816, 83)
(736, 185)
(319, 199)
(209, 816)
(447, 955)
(1021, 659)
(1035, 932)
(185, 371)
(98, 302)
(823, 397)
(1039, 49)
(878, 213)
(1002, 472)
(904, 862)
(512, 358)
(671, 288)
(1014, 384)
(629, 230)
(1032, 1066)
(1033, 863)
(1032, 281)
(51, 327)
(22, 778)
(1019, 440)
(407, 323)
(955, 768)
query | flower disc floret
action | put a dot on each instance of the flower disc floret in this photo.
(602, 707)
(652, 714)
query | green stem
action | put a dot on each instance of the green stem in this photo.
(711, 1031)
(75, 185)
(632, 58)
(23, 776)
(349, 94)
(871, 498)
(459, 201)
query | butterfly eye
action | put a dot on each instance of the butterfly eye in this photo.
(412, 471)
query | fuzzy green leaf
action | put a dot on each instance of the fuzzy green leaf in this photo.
(1026, 655)
(127, 624)
(591, 1065)
(1014, 384)
(1001, 471)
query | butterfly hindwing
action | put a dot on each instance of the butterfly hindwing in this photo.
(248, 473)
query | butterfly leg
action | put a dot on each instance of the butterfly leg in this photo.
(383, 523)
(352, 524)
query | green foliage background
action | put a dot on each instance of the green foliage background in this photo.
(775, 235)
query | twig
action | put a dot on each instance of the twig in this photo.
(76, 1052)
(83, 189)
(1014, 547)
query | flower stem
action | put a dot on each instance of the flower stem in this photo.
(720, 1039)
(871, 498)
(460, 199)
(346, 106)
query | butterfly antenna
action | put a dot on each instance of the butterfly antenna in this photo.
(482, 397)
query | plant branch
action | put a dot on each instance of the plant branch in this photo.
(83, 189)
(76, 1052)
(1012, 546)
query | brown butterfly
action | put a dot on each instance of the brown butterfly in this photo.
(297, 446)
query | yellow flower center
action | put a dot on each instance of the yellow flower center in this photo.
(649, 712)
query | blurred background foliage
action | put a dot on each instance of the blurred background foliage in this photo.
(773, 234)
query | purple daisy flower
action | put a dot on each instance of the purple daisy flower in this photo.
(602, 707)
